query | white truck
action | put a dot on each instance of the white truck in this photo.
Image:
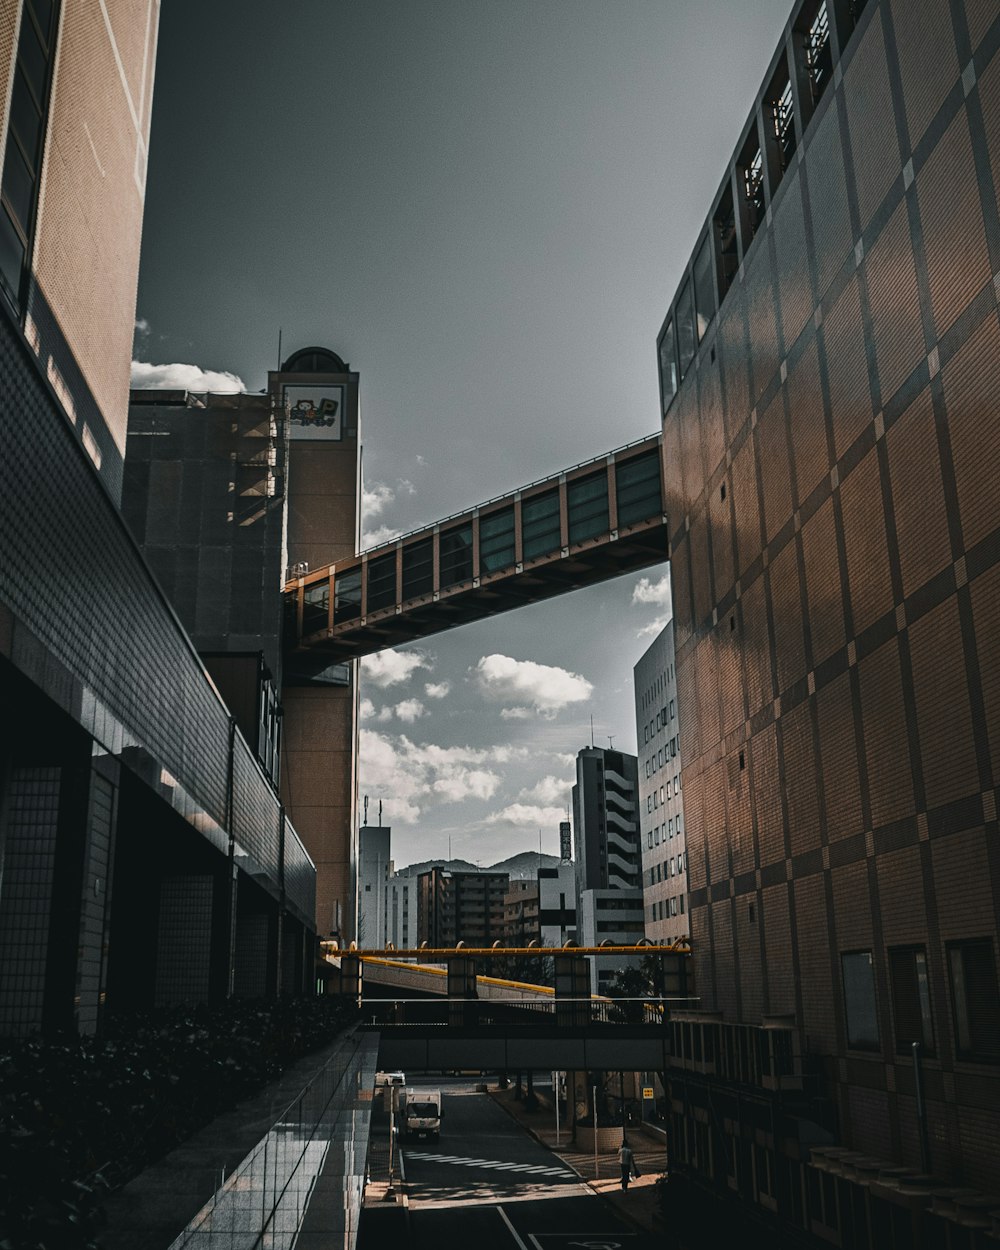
(422, 1113)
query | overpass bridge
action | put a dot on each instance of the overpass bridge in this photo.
(595, 521)
(441, 1013)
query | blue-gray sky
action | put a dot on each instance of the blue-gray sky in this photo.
(484, 206)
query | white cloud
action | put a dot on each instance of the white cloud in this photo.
(141, 325)
(549, 790)
(366, 709)
(385, 715)
(406, 486)
(408, 774)
(437, 689)
(528, 816)
(390, 668)
(526, 685)
(517, 713)
(375, 498)
(178, 377)
(409, 710)
(654, 592)
(653, 628)
(379, 535)
(565, 760)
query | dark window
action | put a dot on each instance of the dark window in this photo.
(456, 555)
(381, 582)
(975, 999)
(587, 504)
(540, 525)
(819, 54)
(753, 189)
(726, 246)
(638, 488)
(783, 116)
(347, 596)
(668, 365)
(418, 568)
(686, 341)
(496, 541)
(704, 294)
(316, 607)
(859, 1000)
(911, 998)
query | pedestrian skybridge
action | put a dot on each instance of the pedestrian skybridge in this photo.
(589, 523)
(441, 1013)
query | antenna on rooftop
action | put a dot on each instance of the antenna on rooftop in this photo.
(592, 730)
(611, 742)
(366, 809)
(279, 349)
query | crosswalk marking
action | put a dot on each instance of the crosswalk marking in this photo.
(496, 1165)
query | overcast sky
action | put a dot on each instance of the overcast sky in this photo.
(484, 206)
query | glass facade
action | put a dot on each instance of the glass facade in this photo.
(496, 540)
(540, 525)
(587, 506)
(456, 555)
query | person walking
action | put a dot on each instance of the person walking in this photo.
(627, 1160)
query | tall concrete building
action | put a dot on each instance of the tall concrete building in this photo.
(319, 699)
(457, 907)
(375, 870)
(661, 803)
(140, 833)
(606, 820)
(831, 445)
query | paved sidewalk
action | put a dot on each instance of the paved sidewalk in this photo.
(638, 1203)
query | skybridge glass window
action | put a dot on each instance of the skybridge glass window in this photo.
(347, 596)
(418, 568)
(456, 555)
(382, 582)
(496, 541)
(638, 488)
(587, 502)
(753, 186)
(540, 525)
(669, 380)
(316, 607)
(686, 341)
(704, 293)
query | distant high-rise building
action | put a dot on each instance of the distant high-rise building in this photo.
(606, 820)
(661, 804)
(375, 870)
(460, 907)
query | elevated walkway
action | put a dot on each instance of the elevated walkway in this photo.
(595, 521)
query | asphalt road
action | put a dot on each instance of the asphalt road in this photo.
(487, 1184)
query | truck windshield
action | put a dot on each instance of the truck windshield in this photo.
(421, 1109)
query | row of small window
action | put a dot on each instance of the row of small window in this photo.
(975, 1000)
(657, 687)
(653, 837)
(663, 718)
(753, 180)
(672, 867)
(667, 907)
(664, 755)
(658, 797)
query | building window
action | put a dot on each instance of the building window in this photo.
(704, 293)
(649, 842)
(496, 541)
(911, 998)
(587, 506)
(975, 1000)
(540, 532)
(859, 1000)
(668, 365)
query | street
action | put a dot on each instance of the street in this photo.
(489, 1184)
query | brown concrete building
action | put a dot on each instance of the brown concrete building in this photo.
(521, 923)
(319, 775)
(463, 907)
(831, 398)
